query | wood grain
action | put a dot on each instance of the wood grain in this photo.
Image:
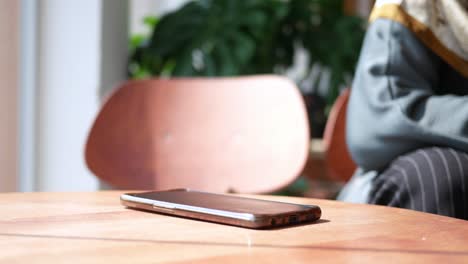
(95, 228)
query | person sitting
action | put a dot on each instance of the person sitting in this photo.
(407, 121)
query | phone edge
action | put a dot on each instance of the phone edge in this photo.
(255, 222)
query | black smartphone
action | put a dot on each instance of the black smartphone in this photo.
(222, 208)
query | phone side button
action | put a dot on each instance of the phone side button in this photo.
(164, 208)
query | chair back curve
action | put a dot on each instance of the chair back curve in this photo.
(338, 161)
(240, 134)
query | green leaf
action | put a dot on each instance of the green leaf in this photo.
(243, 47)
(136, 41)
(183, 65)
(150, 21)
(224, 61)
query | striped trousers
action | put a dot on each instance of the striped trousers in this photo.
(432, 180)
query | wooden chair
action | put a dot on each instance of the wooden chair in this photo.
(242, 134)
(338, 162)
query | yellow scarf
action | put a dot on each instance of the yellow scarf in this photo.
(442, 25)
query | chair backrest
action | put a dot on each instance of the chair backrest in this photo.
(340, 166)
(240, 134)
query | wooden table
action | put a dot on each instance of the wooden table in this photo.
(95, 228)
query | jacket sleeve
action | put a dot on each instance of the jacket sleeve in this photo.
(394, 107)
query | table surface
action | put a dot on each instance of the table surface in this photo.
(95, 228)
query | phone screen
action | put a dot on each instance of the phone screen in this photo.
(223, 202)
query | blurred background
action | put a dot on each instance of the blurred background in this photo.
(59, 59)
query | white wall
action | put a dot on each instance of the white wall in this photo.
(68, 80)
(114, 44)
(70, 73)
(9, 25)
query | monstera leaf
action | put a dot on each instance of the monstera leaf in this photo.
(210, 38)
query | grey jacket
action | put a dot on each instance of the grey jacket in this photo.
(404, 97)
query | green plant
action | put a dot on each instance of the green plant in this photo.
(232, 37)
